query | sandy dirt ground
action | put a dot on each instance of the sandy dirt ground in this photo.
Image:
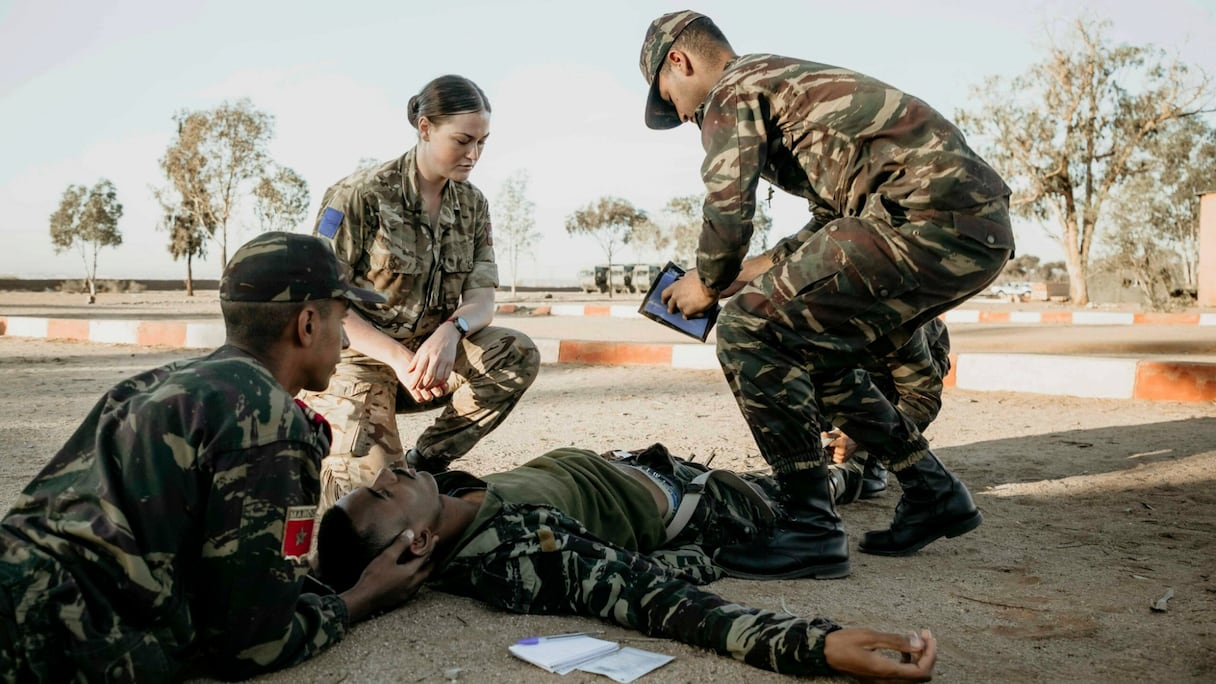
(1093, 510)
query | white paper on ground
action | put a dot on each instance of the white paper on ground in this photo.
(563, 655)
(626, 664)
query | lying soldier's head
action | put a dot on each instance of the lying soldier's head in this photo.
(362, 524)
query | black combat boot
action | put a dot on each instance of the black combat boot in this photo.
(934, 505)
(861, 477)
(429, 464)
(874, 479)
(808, 540)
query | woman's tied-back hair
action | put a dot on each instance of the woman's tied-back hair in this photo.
(446, 96)
(342, 552)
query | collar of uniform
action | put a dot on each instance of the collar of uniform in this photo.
(699, 115)
(408, 167)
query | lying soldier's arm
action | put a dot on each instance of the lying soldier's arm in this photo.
(554, 572)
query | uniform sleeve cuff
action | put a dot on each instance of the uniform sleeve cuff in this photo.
(338, 606)
(484, 274)
(819, 660)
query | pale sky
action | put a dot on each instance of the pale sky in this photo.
(88, 89)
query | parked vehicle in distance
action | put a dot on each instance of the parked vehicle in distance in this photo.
(593, 279)
(644, 275)
(1017, 289)
(621, 278)
(626, 278)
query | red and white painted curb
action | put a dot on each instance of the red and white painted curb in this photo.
(1078, 376)
(952, 316)
(145, 333)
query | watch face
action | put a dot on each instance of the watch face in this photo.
(461, 325)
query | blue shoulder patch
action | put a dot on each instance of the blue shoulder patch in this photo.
(330, 220)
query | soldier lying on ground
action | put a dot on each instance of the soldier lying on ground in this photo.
(176, 521)
(627, 537)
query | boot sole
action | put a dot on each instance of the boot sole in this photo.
(872, 494)
(831, 571)
(956, 530)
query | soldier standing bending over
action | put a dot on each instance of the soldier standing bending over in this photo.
(417, 231)
(175, 522)
(908, 222)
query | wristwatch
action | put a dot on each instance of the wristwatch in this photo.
(462, 326)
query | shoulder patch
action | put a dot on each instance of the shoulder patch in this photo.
(297, 531)
(331, 219)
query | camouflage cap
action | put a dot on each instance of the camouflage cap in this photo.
(287, 267)
(659, 37)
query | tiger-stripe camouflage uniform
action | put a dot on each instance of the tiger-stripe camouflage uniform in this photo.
(533, 558)
(921, 225)
(908, 222)
(375, 221)
(168, 527)
(910, 377)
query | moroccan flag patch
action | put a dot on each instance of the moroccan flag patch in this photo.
(297, 531)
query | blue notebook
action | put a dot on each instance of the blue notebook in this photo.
(654, 308)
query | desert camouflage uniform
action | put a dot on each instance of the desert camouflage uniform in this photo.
(908, 222)
(383, 237)
(158, 533)
(533, 558)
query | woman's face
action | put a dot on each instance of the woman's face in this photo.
(453, 147)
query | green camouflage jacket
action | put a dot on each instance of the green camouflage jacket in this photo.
(533, 558)
(384, 239)
(173, 523)
(850, 144)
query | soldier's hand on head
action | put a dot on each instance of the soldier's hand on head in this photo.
(858, 653)
(392, 578)
(689, 296)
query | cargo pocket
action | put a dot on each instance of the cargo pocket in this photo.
(457, 263)
(988, 233)
(848, 271)
(345, 405)
(397, 277)
(870, 256)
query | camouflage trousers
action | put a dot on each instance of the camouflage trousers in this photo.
(492, 369)
(911, 377)
(795, 341)
(50, 633)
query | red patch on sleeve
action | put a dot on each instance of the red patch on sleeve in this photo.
(297, 531)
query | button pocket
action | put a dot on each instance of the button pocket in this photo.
(988, 233)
